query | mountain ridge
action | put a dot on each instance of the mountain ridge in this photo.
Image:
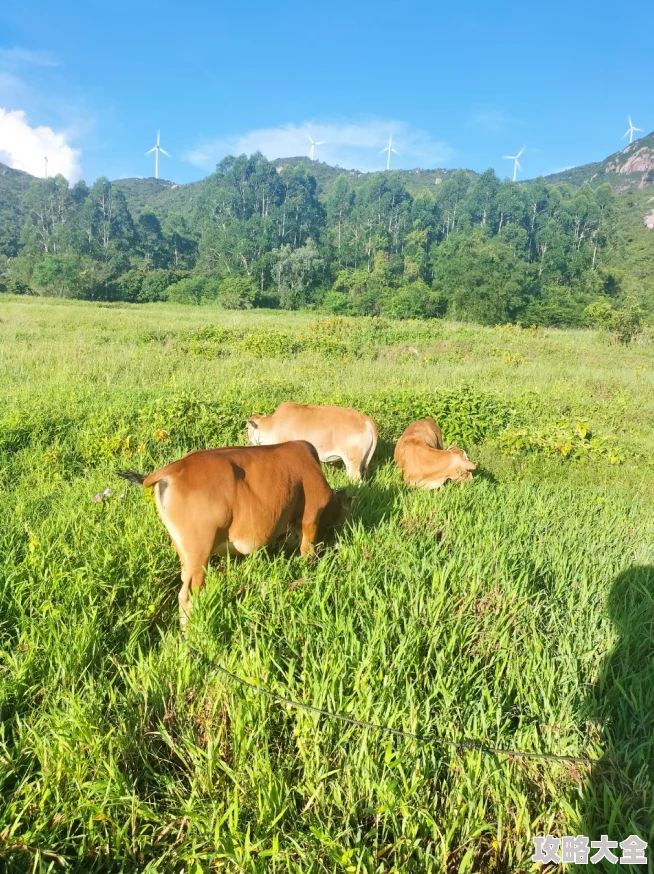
(630, 167)
(627, 169)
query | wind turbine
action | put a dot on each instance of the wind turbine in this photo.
(389, 148)
(514, 158)
(46, 167)
(156, 149)
(314, 144)
(631, 130)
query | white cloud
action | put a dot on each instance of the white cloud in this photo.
(24, 147)
(14, 57)
(350, 145)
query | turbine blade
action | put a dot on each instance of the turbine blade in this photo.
(630, 121)
(322, 142)
(164, 152)
(310, 140)
(638, 128)
(394, 152)
(625, 134)
(381, 151)
(153, 149)
(521, 151)
(509, 157)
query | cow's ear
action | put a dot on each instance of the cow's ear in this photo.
(253, 423)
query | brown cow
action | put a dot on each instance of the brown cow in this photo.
(336, 432)
(420, 456)
(237, 500)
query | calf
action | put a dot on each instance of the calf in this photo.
(336, 432)
(420, 456)
(238, 500)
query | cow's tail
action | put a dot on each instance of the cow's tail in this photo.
(372, 432)
(145, 480)
(132, 476)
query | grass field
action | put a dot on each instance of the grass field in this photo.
(517, 610)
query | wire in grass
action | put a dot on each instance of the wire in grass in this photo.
(427, 739)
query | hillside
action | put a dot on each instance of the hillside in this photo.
(163, 197)
(630, 173)
(416, 181)
(158, 195)
(12, 185)
(630, 168)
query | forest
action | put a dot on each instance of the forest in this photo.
(259, 235)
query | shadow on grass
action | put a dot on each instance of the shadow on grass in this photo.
(383, 453)
(619, 795)
(375, 503)
(484, 474)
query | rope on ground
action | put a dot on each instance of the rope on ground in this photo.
(429, 739)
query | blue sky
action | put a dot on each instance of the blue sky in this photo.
(458, 85)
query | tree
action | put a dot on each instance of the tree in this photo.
(151, 241)
(154, 286)
(480, 205)
(296, 273)
(482, 279)
(449, 197)
(48, 207)
(106, 221)
(416, 253)
(237, 293)
(180, 241)
(416, 301)
(339, 208)
(193, 289)
(58, 276)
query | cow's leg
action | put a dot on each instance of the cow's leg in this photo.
(194, 562)
(191, 581)
(309, 534)
(310, 524)
(353, 464)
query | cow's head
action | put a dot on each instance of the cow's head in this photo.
(253, 430)
(463, 465)
(336, 513)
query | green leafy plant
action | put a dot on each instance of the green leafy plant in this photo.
(570, 440)
(270, 344)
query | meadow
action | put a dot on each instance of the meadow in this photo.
(516, 610)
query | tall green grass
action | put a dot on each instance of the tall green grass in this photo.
(517, 609)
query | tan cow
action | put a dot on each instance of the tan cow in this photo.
(420, 456)
(238, 500)
(336, 432)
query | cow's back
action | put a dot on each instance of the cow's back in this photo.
(303, 417)
(418, 451)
